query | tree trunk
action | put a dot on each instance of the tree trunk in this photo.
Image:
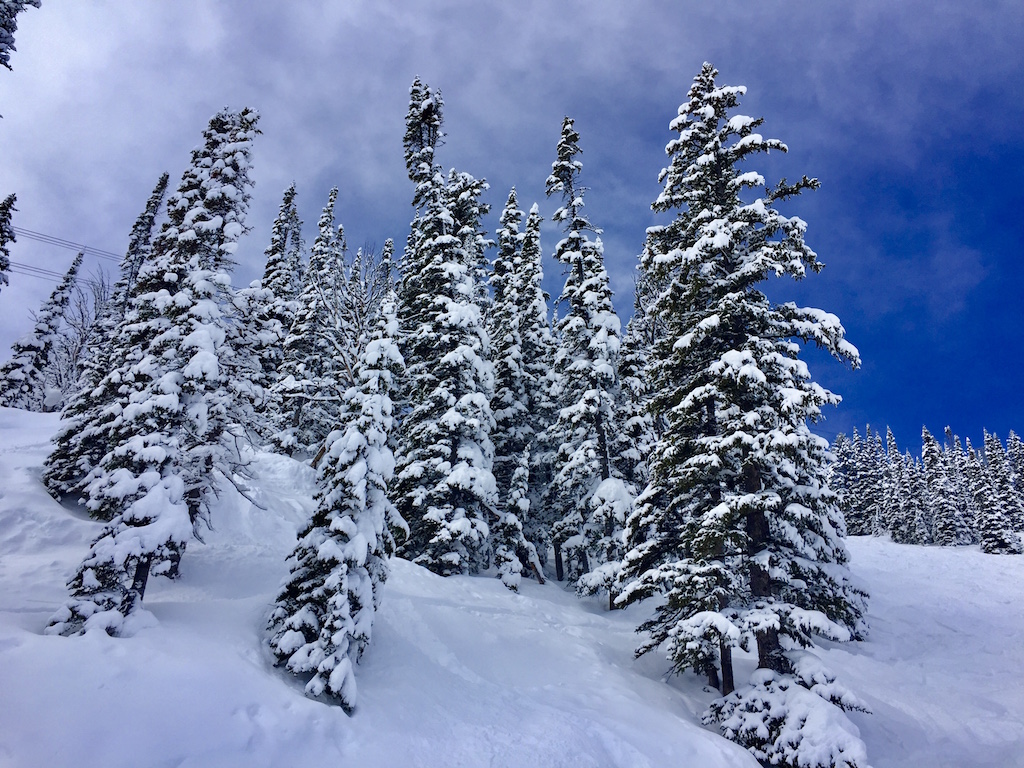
(559, 569)
(133, 599)
(728, 681)
(769, 650)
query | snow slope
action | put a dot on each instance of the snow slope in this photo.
(943, 668)
(461, 672)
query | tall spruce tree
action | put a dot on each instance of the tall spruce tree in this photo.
(23, 380)
(586, 365)
(6, 236)
(737, 526)
(272, 303)
(79, 443)
(444, 484)
(309, 387)
(322, 621)
(997, 501)
(168, 426)
(949, 527)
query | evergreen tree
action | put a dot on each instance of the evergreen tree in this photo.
(998, 504)
(737, 525)
(955, 462)
(78, 445)
(23, 378)
(511, 433)
(950, 529)
(538, 347)
(308, 386)
(271, 305)
(168, 426)
(857, 470)
(1015, 457)
(322, 621)
(6, 237)
(586, 364)
(894, 488)
(916, 508)
(444, 484)
(9, 10)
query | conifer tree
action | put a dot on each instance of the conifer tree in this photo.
(745, 536)
(322, 621)
(586, 364)
(1015, 457)
(272, 303)
(737, 525)
(78, 445)
(9, 10)
(23, 378)
(954, 459)
(916, 509)
(538, 352)
(308, 387)
(6, 236)
(949, 528)
(510, 407)
(998, 504)
(168, 426)
(444, 483)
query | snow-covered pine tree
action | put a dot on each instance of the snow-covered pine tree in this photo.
(6, 236)
(586, 365)
(308, 386)
(737, 526)
(79, 443)
(511, 433)
(270, 306)
(538, 347)
(444, 485)
(1015, 457)
(637, 434)
(23, 378)
(513, 428)
(955, 461)
(950, 529)
(917, 512)
(997, 502)
(322, 620)
(896, 515)
(9, 10)
(168, 425)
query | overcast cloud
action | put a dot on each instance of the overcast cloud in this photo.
(910, 113)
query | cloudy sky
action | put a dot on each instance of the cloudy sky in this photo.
(910, 113)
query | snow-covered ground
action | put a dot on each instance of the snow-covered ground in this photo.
(461, 671)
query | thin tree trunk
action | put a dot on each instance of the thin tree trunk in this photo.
(728, 681)
(137, 591)
(559, 569)
(769, 650)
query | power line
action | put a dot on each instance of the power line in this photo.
(62, 243)
(28, 270)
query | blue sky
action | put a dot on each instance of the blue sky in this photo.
(911, 114)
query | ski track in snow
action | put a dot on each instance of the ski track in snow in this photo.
(461, 671)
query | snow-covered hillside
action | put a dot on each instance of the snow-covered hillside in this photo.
(462, 672)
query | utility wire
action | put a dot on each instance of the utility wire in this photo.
(62, 243)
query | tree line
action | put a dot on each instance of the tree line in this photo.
(953, 495)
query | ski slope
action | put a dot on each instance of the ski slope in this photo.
(461, 672)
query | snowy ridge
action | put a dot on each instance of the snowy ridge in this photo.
(462, 672)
